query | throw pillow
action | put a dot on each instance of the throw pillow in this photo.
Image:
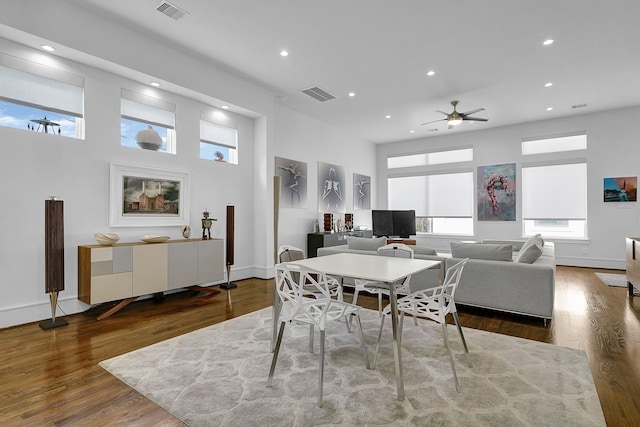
(533, 240)
(530, 254)
(423, 250)
(482, 251)
(366, 244)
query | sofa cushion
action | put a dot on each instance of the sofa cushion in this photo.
(423, 250)
(531, 250)
(482, 251)
(366, 244)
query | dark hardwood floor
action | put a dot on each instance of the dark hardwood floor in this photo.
(52, 377)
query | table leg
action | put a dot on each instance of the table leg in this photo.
(275, 317)
(396, 342)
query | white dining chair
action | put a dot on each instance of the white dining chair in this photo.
(397, 250)
(293, 283)
(434, 304)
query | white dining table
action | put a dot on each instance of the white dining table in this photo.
(386, 270)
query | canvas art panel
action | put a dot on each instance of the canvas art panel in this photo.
(331, 188)
(148, 197)
(293, 183)
(497, 192)
(622, 189)
(361, 192)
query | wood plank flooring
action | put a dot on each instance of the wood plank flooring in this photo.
(52, 378)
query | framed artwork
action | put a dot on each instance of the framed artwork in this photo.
(623, 189)
(293, 183)
(497, 192)
(331, 188)
(145, 197)
(361, 192)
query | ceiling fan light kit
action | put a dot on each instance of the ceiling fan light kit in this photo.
(454, 118)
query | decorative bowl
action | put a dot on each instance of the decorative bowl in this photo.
(152, 238)
(107, 239)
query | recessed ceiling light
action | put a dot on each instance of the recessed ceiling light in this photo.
(155, 84)
(412, 131)
(284, 53)
(352, 94)
(548, 42)
(387, 116)
(48, 48)
(225, 107)
(549, 108)
(549, 84)
(430, 73)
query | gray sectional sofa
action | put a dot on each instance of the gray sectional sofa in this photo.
(505, 275)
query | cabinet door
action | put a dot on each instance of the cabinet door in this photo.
(210, 260)
(183, 264)
(150, 268)
(110, 287)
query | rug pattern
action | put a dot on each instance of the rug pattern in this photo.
(613, 279)
(216, 376)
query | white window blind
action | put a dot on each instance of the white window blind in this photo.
(554, 144)
(213, 133)
(441, 195)
(435, 158)
(38, 86)
(555, 192)
(147, 109)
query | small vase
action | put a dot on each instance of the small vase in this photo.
(186, 231)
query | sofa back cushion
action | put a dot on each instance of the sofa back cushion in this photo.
(423, 250)
(531, 250)
(482, 251)
(366, 244)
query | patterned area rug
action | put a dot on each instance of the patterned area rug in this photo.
(613, 279)
(216, 376)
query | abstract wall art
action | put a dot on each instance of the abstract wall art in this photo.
(621, 189)
(497, 192)
(293, 183)
(361, 192)
(331, 188)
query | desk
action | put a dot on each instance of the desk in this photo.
(375, 268)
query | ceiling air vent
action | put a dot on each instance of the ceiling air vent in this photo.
(319, 94)
(171, 10)
(578, 106)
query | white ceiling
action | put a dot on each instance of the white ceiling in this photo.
(485, 54)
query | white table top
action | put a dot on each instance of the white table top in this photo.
(368, 267)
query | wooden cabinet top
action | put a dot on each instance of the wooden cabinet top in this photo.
(145, 243)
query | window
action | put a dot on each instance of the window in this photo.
(443, 202)
(142, 113)
(40, 98)
(218, 138)
(442, 199)
(554, 192)
(435, 158)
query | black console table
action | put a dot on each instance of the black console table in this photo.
(324, 239)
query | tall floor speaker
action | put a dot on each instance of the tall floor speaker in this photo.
(54, 257)
(230, 247)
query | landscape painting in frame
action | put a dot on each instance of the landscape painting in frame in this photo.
(361, 192)
(497, 192)
(293, 183)
(623, 189)
(331, 186)
(148, 197)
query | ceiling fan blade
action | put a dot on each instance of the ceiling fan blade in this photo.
(432, 121)
(442, 112)
(468, 113)
(477, 119)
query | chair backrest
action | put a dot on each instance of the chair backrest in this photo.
(397, 250)
(287, 253)
(296, 284)
(450, 284)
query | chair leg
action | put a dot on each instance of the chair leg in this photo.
(274, 359)
(380, 304)
(310, 338)
(375, 355)
(277, 308)
(446, 344)
(320, 380)
(464, 342)
(363, 344)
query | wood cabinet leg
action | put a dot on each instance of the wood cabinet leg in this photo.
(119, 306)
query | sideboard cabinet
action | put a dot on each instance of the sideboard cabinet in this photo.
(325, 239)
(128, 270)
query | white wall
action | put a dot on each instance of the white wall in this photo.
(613, 151)
(301, 138)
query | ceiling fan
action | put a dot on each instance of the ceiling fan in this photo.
(454, 118)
